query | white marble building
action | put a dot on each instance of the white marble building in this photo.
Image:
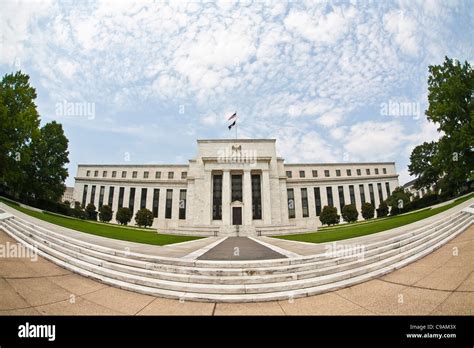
(235, 185)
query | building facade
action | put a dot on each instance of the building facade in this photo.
(235, 186)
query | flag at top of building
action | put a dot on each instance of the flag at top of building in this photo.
(233, 117)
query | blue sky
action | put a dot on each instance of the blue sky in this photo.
(314, 75)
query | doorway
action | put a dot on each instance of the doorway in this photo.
(236, 215)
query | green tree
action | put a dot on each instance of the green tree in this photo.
(349, 213)
(19, 119)
(105, 213)
(78, 212)
(382, 210)
(367, 211)
(424, 164)
(144, 217)
(49, 155)
(329, 216)
(91, 212)
(398, 199)
(124, 215)
(450, 97)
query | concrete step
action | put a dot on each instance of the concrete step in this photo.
(257, 293)
(241, 287)
(219, 267)
(147, 270)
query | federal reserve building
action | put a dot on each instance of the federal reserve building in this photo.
(235, 187)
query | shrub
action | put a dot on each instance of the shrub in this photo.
(144, 217)
(382, 210)
(91, 213)
(123, 216)
(367, 211)
(79, 213)
(105, 213)
(349, 213)
(329, 216)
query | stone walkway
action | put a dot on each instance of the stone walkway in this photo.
(240, 248)
(441, 283)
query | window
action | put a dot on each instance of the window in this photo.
(96, 173)
(379, 188)
(145, 175)
(367, 171)
(326, 173)
(84, 196)
(338, 172)
(217, 197)
(88, 173)
(359, 172)
(170, 175)
(376, 170)
(101, 196)
(256, 198)
(134, 174)
(156, 200)
(120, 199)
(387, 188)
(114, 174)
(184, 175)
(236, 187)
(288, 174)
(317, 200)
(342, 202)
(182, 204)
(348, 172)
(143, 198)
(384, 170)
(157, 175)
(329, 195)
(302, 174)
(131, 200)
(291, 203)
(111, 196)
(362, 194)
(169, 202)
(372, 196)
(124, 174)
(304, 201)
(92, 194)
(352, 195)
(315, 173)
(104, 174)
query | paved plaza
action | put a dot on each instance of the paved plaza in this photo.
(441, 283)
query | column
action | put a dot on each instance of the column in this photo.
(175, 204)
(266, 198)
(247, 197)
(226, 197)
(311, 202)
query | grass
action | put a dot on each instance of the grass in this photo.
(130, 234)
(369, 227)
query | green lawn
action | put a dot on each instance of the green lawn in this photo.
(131, 234)
(363, 228)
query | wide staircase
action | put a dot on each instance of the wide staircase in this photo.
(237, 281)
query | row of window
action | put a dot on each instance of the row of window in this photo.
(131, 200)
(146, 174)
(302, 173)
(330, 200)
(236, 194)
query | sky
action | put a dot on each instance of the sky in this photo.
(140, 81)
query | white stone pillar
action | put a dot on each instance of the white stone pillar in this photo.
(311, 202)
(266, 198)
(247, 197)
(226, 197)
